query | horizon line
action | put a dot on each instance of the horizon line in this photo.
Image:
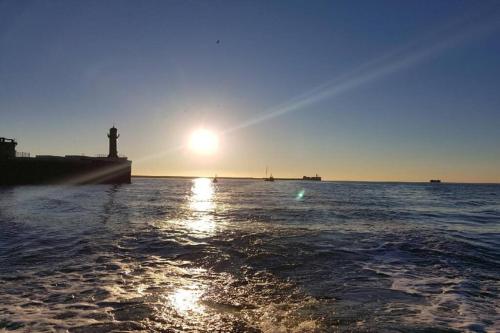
(322, 180)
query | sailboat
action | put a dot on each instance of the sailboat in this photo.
(270, 178)
(215, 180)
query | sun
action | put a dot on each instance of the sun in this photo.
(204, 141)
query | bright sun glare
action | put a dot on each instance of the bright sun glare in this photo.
(203, 141)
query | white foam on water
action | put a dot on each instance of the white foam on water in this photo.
(444, 303)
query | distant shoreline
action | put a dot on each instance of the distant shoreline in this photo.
(322, 181)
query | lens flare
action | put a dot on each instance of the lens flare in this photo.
(300, 194)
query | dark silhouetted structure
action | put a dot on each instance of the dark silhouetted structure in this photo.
(113, 137)
(316, 178)
(435, 181)
(7, 148)
(20, 169)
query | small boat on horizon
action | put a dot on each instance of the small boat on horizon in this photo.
(215, 180)
(270, 178)
(435, 181)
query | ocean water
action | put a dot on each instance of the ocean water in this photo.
(167, 255)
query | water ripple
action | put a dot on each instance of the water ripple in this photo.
(248, 256)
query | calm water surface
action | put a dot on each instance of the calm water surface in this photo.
(250, 256)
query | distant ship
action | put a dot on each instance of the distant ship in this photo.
(316, 178)
(20, 169)
(435, 181)
(215, 180)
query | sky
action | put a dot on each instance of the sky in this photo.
(351, 90)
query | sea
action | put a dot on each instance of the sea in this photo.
(191, 255)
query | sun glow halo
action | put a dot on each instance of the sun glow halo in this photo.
(203, 141)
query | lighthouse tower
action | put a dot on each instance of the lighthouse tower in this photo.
(113, 136)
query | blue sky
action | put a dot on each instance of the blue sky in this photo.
(352, 90)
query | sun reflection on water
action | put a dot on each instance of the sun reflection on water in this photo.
(202, 206)
(187, 299)
(202, 192)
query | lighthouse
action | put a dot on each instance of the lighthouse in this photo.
(113, 136)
